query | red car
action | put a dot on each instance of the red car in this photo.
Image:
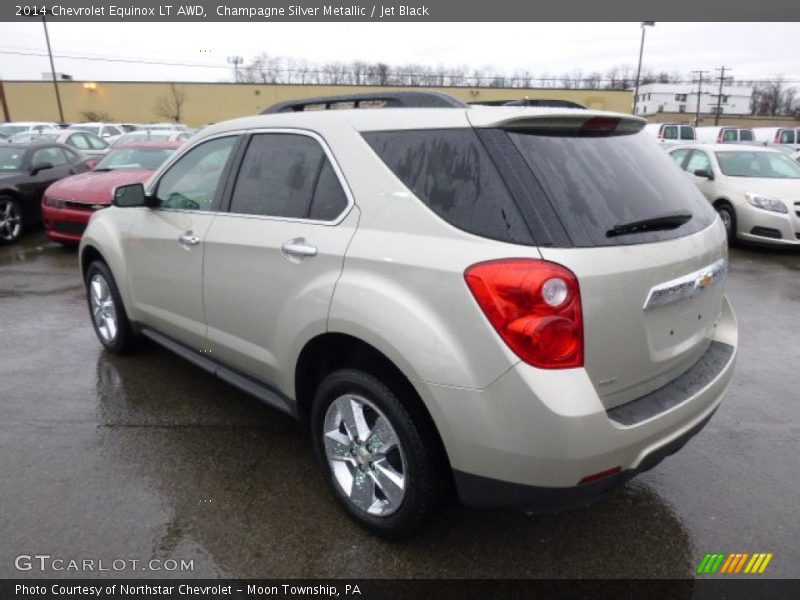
(68, 204)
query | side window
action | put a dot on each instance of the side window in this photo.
(670, 132)
(96, 143)
(111, 130)
(78, 141)
(329, 198)
(678, 156)
(278, 176)
(451, 172)
(54, 156)
(71, 156)
(729, 135)
(698, 160)
(192, 182)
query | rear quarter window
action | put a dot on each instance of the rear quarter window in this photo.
(452, 173)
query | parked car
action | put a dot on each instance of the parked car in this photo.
(755, 190)
(9, 129)
(147, 135)
(128, 127)
(68, 204)
(25, 172)
(527, 303)
(164, 127)
(83, 141)
(778, 136)
(670, 134)
(725, 135)
(107, 131)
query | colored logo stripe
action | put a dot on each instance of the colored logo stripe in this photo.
(734, 563)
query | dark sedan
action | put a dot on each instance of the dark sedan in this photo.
(26, 170)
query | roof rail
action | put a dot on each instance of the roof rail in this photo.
(400, 99)
(542, 102)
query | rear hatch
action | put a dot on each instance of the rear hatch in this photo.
(651, 291)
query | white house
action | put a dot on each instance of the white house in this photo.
(682, 98)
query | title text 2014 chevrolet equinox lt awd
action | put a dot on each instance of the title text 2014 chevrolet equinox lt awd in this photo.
(524, 305)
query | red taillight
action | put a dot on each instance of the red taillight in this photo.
(535, 306)
(719, 137)
(777, 137)
(600, 125)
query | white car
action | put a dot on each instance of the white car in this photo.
(787, 137)
(755, 190)
(107, 131)
(8, 130)
(526, 303)
(725, 135)
(85, 142)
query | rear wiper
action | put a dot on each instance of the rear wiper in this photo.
(661, 222)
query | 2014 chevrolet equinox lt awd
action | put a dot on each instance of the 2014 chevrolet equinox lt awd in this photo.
(524, 305)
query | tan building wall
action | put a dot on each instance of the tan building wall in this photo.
(134, 102)
(737, 120)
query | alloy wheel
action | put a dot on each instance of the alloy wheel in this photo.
(10, 220)
(103, 310)
(365, 455)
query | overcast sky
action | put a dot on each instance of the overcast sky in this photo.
(752, 50)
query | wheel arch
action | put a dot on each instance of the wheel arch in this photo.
(331, 351)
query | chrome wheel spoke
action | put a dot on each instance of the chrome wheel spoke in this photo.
(362, 494)
(337, 446)
(352, 413)
(390, 482)
(103, 310)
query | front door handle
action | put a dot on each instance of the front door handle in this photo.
(189, 239)
(298, 248)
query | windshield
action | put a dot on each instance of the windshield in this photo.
(597, 183)
(143, 136)
(10, 160)
(9, 130)
(95, 129)
(758, 164)
(134, 158)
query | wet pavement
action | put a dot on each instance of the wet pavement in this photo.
(147, 457)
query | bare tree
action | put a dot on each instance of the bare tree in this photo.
(171, 105)
(96, 116)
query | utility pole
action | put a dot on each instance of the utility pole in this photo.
(52, 67)
(235, 61)
(699, 74)
(643, 25)
(722, 78)
(6, 113)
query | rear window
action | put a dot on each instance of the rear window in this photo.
(746, 135)
(687, 133)
(596, 183)
(787, 136)
(452, 173)
(591, 183)
(670, 132)
(729, 135)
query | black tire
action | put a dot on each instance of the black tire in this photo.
(422, 468)
(10, 232)
(123, 339)
(727, 213)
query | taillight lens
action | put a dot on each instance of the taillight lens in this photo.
(535, 306)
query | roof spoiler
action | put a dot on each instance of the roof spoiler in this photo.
(401, 99)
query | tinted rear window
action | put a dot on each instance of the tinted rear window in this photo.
(595, 183)
(452, 173)
(746, 135)
(687, 133)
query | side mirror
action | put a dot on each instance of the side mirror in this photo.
(40, 167)
(704, 173)
(132, 195)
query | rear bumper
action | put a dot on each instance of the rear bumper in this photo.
(475, 490)
(529, 439)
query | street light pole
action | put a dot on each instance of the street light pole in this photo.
(53, 69)
(644, 25)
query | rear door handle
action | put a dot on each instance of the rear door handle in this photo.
(189, 239)
(298, 248)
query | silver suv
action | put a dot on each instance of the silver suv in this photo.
(522, 305)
